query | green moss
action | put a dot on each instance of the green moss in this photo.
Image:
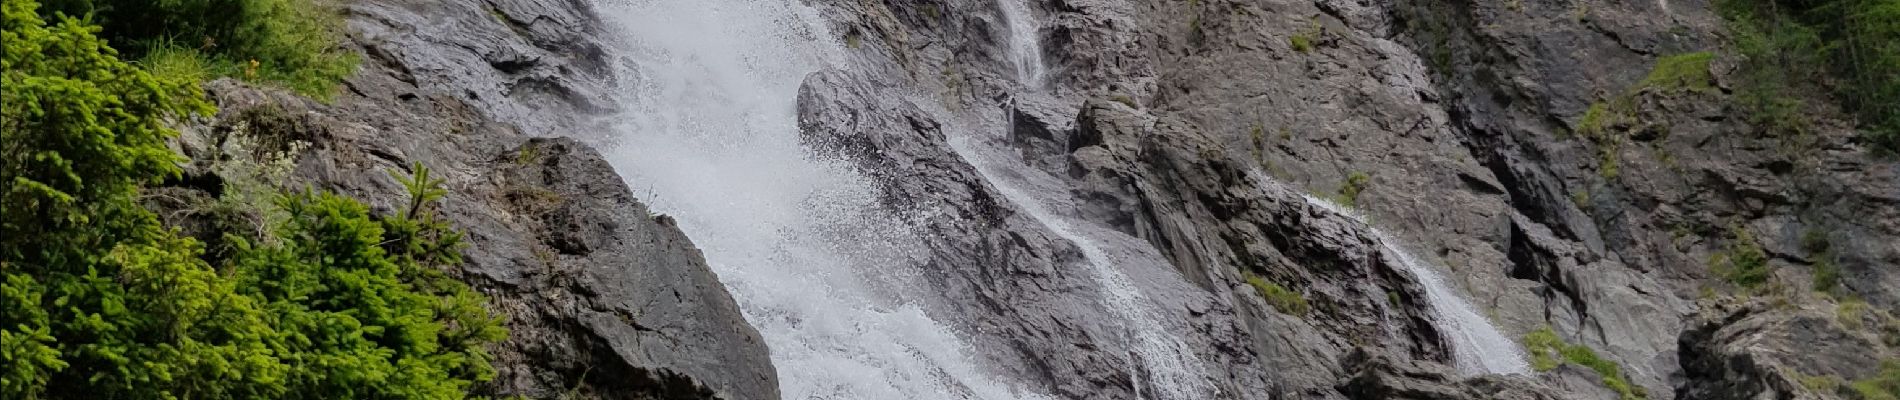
(1286, 301)
(1548, 351)
(1688, 71)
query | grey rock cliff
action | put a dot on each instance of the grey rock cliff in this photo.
(1465, 117)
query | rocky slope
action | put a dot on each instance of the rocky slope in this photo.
(1183, 139)
(1467, 122)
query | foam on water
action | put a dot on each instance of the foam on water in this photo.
(710, 137)
(1477, 345)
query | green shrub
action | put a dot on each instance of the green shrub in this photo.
(1827, 276)
(1851, 47)
(1744, 264)
(1301, 43)
(1688, 71)
(294, 43)
(102, 301)
(1355, 184)
(1548, 351)
(1304, 40)
(1287, 301)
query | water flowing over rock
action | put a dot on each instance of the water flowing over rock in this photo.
(1106, 199)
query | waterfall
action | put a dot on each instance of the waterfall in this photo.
(710, 137)
(1477, 345)
(1172, 369)
(1025, 45)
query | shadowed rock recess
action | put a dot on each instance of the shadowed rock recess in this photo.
(1202, 199)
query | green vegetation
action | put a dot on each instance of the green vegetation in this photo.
(294, 43)
(1851, 313)
(1744, 264)
(1689, 71)
(1884, 385)
(1827, 276)
(1287, 301)
(1304, 40)
(1581, 197)
(1355, 184)
(1850, 47)
(1675, 73)
(104, 301)
(1549, 351)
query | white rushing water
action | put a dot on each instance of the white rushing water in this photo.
(710, 137)
(1477, 345)
(1172, 369)
(1025, 44)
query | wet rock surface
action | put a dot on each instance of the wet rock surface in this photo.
(1188, 132)
(1464, 120)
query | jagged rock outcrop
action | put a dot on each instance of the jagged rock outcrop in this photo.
(604, 299)
(1022, 286)
(1465, 120)
(1378, 378)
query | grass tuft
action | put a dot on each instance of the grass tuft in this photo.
(1286, 301)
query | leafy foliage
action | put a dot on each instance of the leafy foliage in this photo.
(102, 301)
(289, 42)
(1849, 46)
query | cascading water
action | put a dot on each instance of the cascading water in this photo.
(1172, 369)
(1024, 45)
(1477, 345)
(710, 137)
(1169, 365)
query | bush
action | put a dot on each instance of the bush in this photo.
(1884, 385)
(1850, 46)
(1286, 301)
(102, 301)
(1744, 264)
(1548, 351)
(294, 43)
(1355, 184)
(1689, 71)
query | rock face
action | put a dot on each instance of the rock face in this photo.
(1463, 126)
(1170, 152)
(603, 298)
